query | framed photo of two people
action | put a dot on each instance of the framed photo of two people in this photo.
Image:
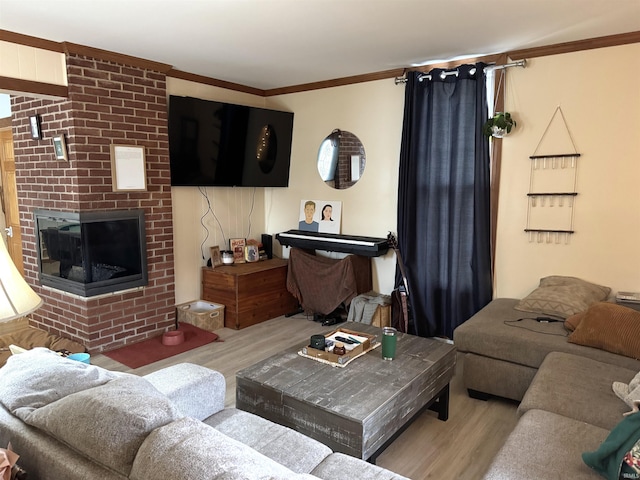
(320, 216)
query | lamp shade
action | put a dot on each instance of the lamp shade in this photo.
(16, 296)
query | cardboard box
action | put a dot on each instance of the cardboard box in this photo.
(365, 346)
(206, 315)
(382, 317)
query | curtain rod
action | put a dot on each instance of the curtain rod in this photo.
(490, 68)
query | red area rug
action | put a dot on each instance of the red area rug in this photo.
(148, 351)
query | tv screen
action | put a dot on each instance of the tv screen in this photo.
(221, 144)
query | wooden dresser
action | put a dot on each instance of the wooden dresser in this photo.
(250, 292)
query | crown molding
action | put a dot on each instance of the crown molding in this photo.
(578, 45)
(336, 82)
(17, 86)
(106, 55)
(67, 47)
(215, 82)
(30, 41)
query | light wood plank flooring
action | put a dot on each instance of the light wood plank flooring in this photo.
(460, 448)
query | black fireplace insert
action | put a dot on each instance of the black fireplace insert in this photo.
(91, 253)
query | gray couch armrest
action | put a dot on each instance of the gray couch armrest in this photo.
(196, 391)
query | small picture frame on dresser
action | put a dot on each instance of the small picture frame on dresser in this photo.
(216, 257)
(251, 253)
(236, 245)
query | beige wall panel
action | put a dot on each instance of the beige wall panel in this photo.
(599, 95)
(28, 63)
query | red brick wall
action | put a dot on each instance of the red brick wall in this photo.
(108, 103)
(349, 145)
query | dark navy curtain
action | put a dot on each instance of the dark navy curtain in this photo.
(443, 199)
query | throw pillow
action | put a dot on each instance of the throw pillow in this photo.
(562, 297)
(619, 451)
(610, 327)
(39, 376)
(572, 322)
(107, 423)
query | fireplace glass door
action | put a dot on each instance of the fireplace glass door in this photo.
(91, 253)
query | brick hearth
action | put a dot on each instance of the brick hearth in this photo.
(108, 103)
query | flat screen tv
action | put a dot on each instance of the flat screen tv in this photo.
(221, 144)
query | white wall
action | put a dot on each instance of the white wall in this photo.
(240, 211)
(373, 112)
(599, 94)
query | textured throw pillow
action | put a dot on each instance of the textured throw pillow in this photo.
(562, 297)
(610, 327)
(572, 322)
(39, 376)
(107, 423)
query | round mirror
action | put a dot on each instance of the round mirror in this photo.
(341, 159)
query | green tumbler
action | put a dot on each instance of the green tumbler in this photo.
(389, 342)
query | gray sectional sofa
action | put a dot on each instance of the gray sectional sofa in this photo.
(69, 420)
(567, 403)
(503, 348)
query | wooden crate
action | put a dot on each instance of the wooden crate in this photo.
(251, 292)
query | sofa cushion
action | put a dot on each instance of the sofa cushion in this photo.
(39, 377)
(190, 450)
(546, 446)
(195, 390)
(32, 337)
(336, 464)
(284, 445)
(562, 297)
(44, 458)
(107, 423)
(571, 385)
(608, 459)
(610, 327)
(497, 332)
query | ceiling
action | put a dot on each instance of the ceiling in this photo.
(269, 44)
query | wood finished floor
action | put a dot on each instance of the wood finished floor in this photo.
(460, 448)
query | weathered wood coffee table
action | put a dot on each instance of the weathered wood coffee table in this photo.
(359, 409)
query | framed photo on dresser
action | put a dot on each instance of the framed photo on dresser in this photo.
(236, 245)
(216, 257)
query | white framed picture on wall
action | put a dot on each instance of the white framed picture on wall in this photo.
(320, 216)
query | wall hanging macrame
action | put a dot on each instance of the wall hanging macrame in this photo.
(552, 191)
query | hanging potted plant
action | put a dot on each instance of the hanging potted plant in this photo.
(499, 125)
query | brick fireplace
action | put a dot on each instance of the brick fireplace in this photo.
(108, 103)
